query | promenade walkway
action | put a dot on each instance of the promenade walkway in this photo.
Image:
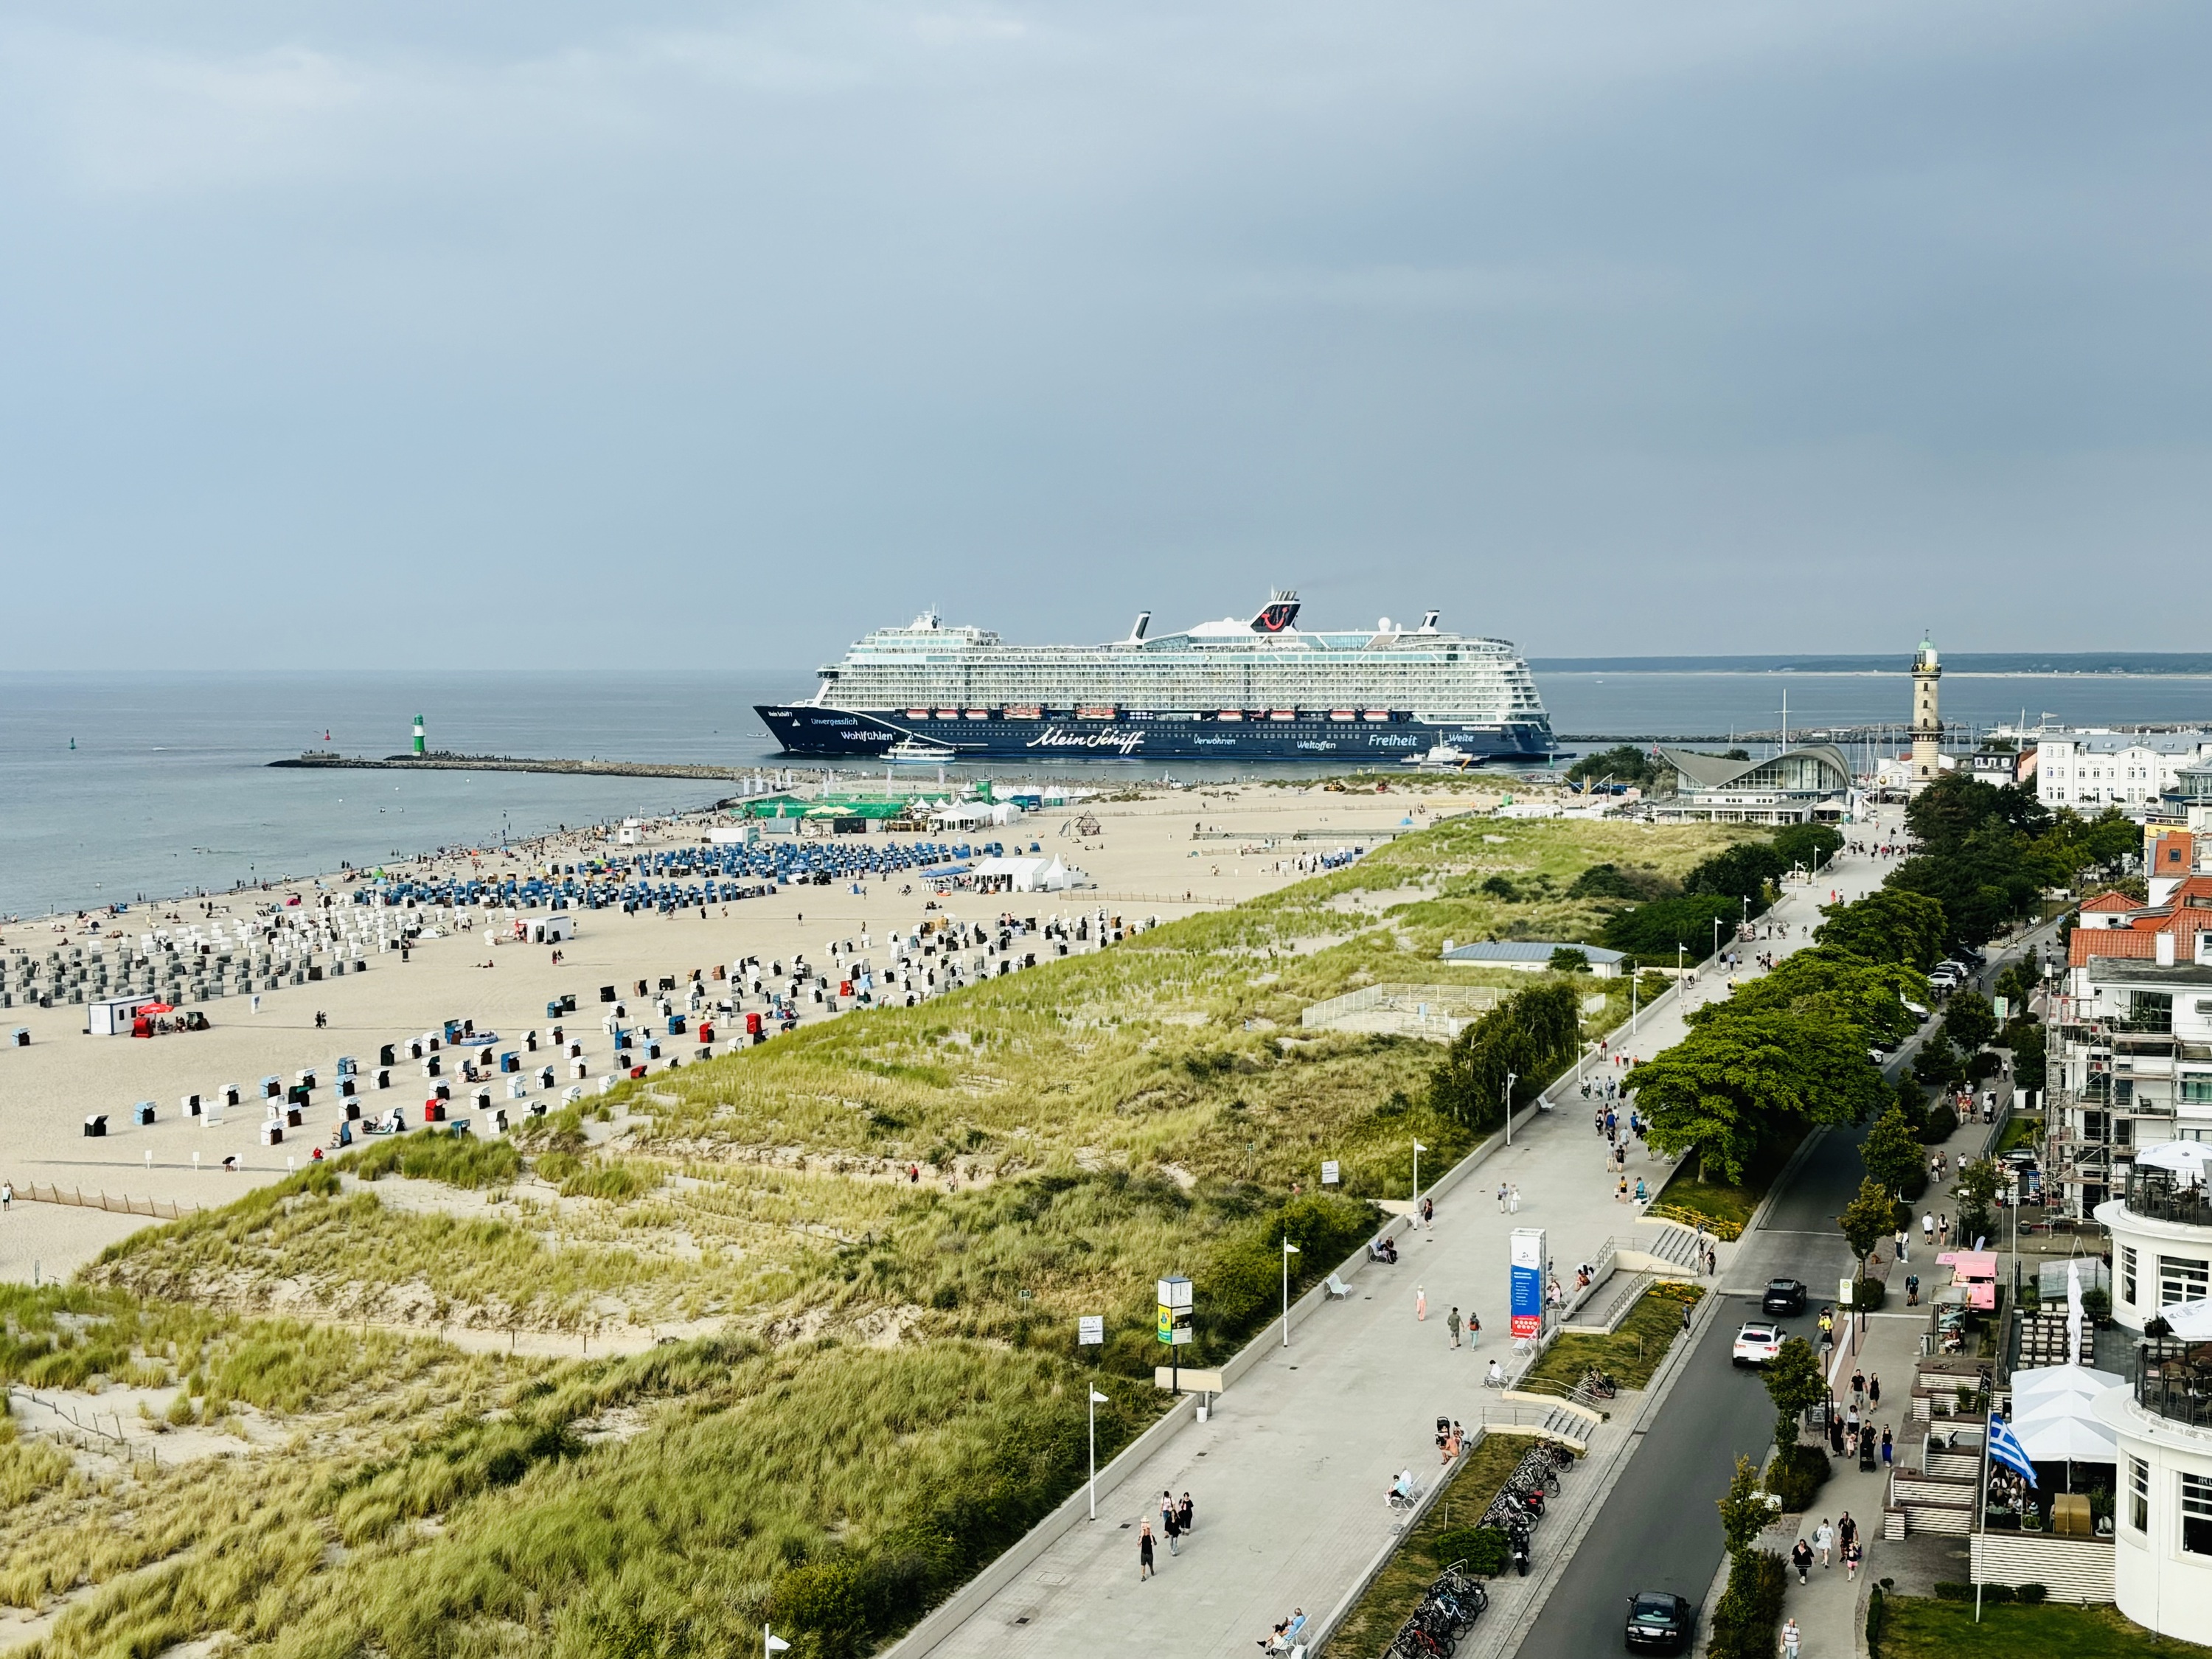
(1289, 1476)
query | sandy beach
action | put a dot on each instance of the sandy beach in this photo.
(1164, 855)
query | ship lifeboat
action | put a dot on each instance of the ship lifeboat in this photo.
(1231, 714)
(1376, 715)
(979, 714)
(1013, 713)
(917, 714)
(948, 714)
(1342, 714)
(1105, 714)
(1282, 713)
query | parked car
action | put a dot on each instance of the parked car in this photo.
(1756, 1344)
(1660, 1621)
(1915, 1009)
(1783, 1296)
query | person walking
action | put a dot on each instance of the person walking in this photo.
(1473, 1328)
(1927, 1227)
(1802, 1559)
(1823, 1540)
(1429, 1213)
(1144, 1567)
(1501, 1198)
(1884, 1445)
(1874, 1390)
(1847, 1530)
(1167, 1509)
(7, 1195)
(1858, 1385)
(1172, 1528)
(1513, 1200)
(1452, 1322)
(1186, 1516)
(1420, 1303)
(1852, 1553)
(1790, 1639)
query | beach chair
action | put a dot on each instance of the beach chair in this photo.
(1338, 1289)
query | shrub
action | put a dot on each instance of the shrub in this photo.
(427, 1155)
(1566, 959)
(1867, 1295)
(1749, 1612)
(1796, 1476)
(1874, 1600)
(2033, 1593)
(1483, 1548)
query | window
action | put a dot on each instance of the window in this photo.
(2194, 1088)
(2128, 1274)
(2182, 1278)
(2197, 1514)
(2138, 1494)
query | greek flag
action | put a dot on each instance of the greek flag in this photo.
(2006, 1448)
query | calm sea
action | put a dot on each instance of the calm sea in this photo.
(167, 789)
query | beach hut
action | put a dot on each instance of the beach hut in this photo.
(114, 1016)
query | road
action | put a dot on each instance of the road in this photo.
(1659, 1529)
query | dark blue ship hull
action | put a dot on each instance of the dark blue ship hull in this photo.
(849, 734)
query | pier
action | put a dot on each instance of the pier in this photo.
(439, 761)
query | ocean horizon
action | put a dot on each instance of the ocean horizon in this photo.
(122, 785)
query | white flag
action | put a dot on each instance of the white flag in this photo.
(1418, 1147)
(774, 1643)
(1098, 1399)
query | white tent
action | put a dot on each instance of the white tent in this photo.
(2192, 1321)
(2055, 1417)
(1025, 875)
(2186, 1158)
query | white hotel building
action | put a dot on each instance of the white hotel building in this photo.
(2089, 771)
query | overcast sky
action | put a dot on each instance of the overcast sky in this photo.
(710, 335)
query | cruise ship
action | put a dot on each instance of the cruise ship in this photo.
(1257, 688)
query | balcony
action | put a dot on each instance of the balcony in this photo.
(2155, 1196)
(2174, 1380)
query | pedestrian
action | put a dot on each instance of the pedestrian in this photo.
(1884, 1445)
(1874, 1390)
(1473, 1328)
(1928, 1226)
(7, 1193)
(1802, 1559)
(1847, 1530)
(1943, 1231)
(1453, 1324)
(1167, 1509)
(1501, 1198)
(1145, 1568)
(1513, 1200)
(1186, 1516)
(1620, 1192)
(1835, 1431)
(1789, 1639)
(1420, 1303)
(1858, 1385)
(1685, 1317)
(1172, 1528)
(1429, 1213)
(1824, 1540)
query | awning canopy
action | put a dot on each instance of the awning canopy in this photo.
(2183, 1158)
(2192, 1321)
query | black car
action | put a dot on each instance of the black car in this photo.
(1660, 1621)
(1783, 1296)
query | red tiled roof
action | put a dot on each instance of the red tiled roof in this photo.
(2111, 902)
(2087, 942)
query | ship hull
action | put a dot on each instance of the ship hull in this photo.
(815, 731)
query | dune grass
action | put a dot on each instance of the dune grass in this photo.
(896, 1394)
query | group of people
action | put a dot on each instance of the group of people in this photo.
(1178, 1517)
(1838, 1541)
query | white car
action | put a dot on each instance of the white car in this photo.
(1915, 1009)
(1756, 1344)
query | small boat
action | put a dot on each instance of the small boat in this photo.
(1442, 757)
(920, 749)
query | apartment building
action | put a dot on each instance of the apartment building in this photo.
(2089, 771)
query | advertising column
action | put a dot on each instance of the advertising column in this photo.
(1531, 1264)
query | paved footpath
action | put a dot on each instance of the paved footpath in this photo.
(1288, 1477)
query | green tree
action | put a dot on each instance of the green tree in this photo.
(1627, 763)
(1794, 1383)
(2017, 984)
(1745, 1511)
(1733, 1087)
(1891, 1152)
(1652, 930)
(1531, 1036)
(1567, 959)
(1742, 873)
(1868, 1219)
(1938, 1065)
(1969, 1021)
(1829, 986)
(1888, 926)
(1806, 843)
(1979, 1184)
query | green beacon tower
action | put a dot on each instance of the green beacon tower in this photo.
(418, 735)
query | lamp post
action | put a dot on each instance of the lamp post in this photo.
(771, 1643)
(1096, 1401)
(1289, 1250)
(1510, 1081)
(1418, 1150)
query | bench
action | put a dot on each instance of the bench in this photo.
(1338, 1289)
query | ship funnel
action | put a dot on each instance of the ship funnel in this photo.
(1137, 627)
(1429, 621)
(1278, 613)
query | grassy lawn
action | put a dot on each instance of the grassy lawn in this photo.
(1916, 1628)
(1397, 1589)
(1727, 1209)
(2023, 1131)
(1630, 1355)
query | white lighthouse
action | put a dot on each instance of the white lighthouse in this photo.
(1927, 725)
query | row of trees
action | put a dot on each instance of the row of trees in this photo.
(1529, 1037)
(1989, 854)
(1789, 1051)
(1731, 887)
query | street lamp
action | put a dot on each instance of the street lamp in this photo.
(1511, 1079)
(1418, 1150)
(1289, 1250)
(1096, 1401)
